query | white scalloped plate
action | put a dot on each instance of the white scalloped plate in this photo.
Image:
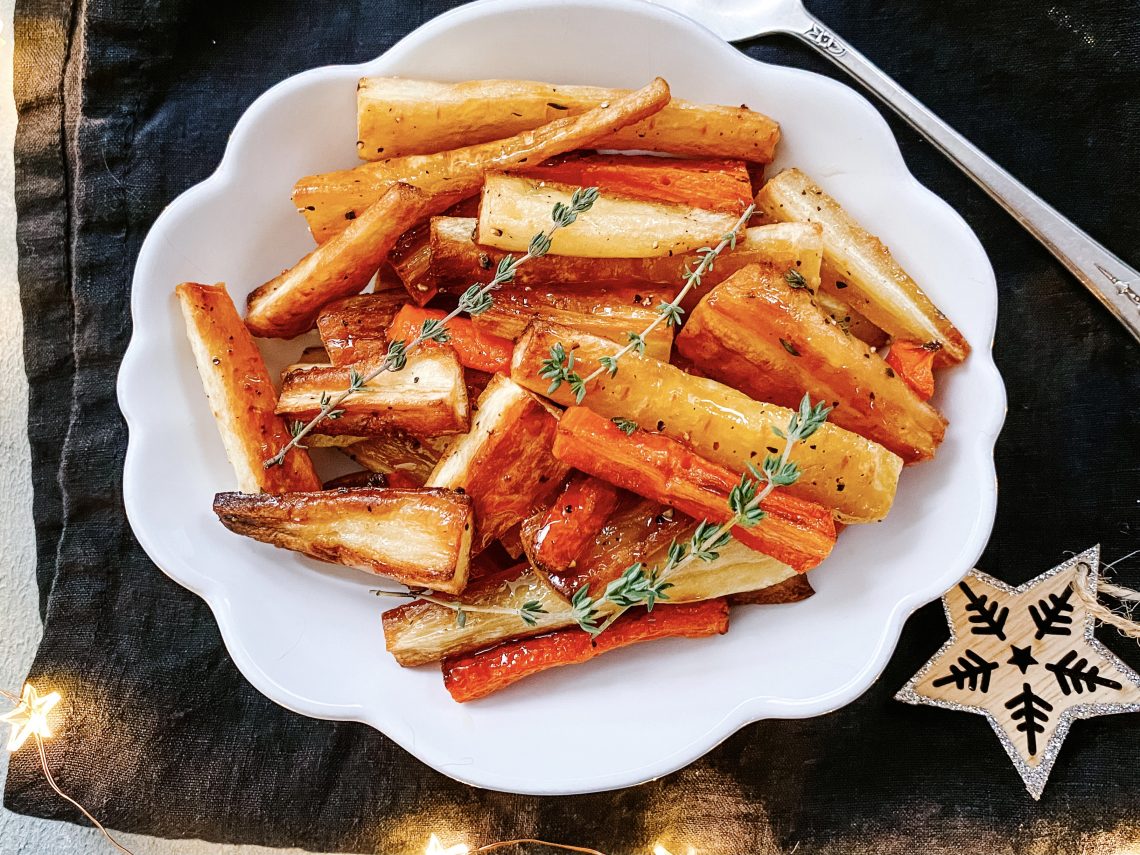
(308, 635)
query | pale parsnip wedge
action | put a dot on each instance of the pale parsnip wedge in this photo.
(756, 333)
(287, 305)
(327, 199)
(399, 451)
(504, 463)
(421, 632)
(457, 260)
(874, 283)
(397, 116)
(853, 476)
(418, 537)
(513, 209)
(428, 397)
(241, 393)
(355, 328)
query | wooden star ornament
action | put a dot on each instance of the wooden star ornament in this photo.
(1027, 660)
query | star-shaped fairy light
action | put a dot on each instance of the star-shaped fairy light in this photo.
(29, 718)
(1026, 659)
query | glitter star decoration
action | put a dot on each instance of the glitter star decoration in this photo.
(29, 718)
(1026, 658)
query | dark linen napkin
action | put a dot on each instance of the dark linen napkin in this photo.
(124, 104)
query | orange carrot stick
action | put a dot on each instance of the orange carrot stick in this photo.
(914, 363)
(475, 349)
(471, 676)
(798, 532)
(714, 185)
(575, 518)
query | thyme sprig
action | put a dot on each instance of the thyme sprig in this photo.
(559, 368)
(642, 585)
(639, 585)
(474, 301)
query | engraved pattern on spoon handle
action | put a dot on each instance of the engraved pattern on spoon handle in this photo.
(1112, 281)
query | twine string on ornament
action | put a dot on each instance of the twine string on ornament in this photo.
(1083, 587)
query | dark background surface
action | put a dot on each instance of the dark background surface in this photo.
(127, 104)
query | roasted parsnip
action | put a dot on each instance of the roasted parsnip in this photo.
(792, 590)
(398, 116)
(763, 336)
(287, 305)
(504, 464)
(240, 393)
(410, 258)
(326, 200)
(355, 329)
(873, 281)
(420, 632)
(418, 537)
(428, 397)
(398, 451)
(513, 209)
(458, 261)
(853, 476)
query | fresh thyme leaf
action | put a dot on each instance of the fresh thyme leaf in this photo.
(505, 272)
(460, 616)
(577, 386)
(529, 612)
(397, 356)
(628, 426)
(296, 428)
(638, 342)
(434, 329)
(539, 245)
(672, 313)
(355, 380)
(610, 364)
(794, 278)
(584, 611)
(475, 300)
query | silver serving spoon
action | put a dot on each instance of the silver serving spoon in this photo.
(1112, 281)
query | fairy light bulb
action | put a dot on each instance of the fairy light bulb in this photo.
(30, 717)
(434, 847)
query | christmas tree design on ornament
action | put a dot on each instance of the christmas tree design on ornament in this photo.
(1026, 658)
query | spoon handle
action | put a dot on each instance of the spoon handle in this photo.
(1112, 281)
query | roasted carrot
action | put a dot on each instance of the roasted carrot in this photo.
(573, 521)
(469, 677)
(715, 185)
(475, 349)
(914, 363)
(795, 531)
